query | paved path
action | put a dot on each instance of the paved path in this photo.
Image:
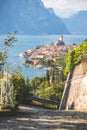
(36, 118)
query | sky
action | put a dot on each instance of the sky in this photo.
(66, 8)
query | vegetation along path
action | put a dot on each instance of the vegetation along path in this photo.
(38, 118)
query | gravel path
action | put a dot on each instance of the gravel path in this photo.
(37, 118)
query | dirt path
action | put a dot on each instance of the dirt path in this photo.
(36, 118)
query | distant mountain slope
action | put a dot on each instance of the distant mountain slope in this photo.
(29, 17)
(77, 23)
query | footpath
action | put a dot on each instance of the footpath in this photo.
(38, 118)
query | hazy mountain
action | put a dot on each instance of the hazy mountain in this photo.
(29, 17)
(77, 23)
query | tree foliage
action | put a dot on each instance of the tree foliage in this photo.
(51, 91)
(74, 57)
(6, 96)
(8, 42)
(19, 87)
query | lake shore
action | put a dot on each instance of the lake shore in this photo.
(43, 56)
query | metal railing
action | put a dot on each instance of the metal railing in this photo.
(42, 100)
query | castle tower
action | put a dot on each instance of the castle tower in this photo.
(61, 38)
(60, 41)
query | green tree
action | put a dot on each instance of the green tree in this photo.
(75, 57)
(19, 89)
(28, 90)
(35, 83)
(70, 61)
(3, 55)
(52, 75)
(8, 42)
(6, 96)
(48, 76)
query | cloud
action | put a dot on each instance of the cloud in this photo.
(66, 8)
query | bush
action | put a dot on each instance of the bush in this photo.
(75, 57)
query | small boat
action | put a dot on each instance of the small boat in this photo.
(21, 55)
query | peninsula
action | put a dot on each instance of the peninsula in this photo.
(44, 56)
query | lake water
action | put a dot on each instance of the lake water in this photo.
(26, 42)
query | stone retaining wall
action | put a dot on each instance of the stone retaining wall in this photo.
(75, 93)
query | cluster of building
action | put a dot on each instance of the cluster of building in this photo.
(50, 51)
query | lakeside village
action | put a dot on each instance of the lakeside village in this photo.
(44, 56)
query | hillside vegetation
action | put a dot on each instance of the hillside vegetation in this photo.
(76, 56)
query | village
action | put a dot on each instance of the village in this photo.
(52, 51)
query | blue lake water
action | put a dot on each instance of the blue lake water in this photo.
(26, 42)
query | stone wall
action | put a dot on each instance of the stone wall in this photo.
(75, 92)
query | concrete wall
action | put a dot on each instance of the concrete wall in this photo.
(75, 93)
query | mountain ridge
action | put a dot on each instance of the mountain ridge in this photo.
(77, 23)
(29, 17)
